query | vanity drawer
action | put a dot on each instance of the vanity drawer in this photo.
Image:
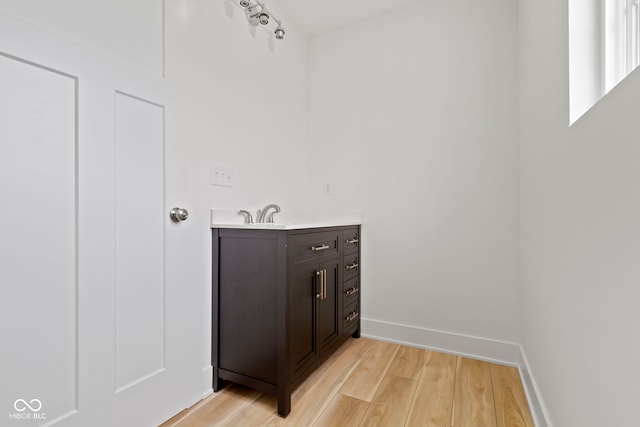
(350, 291)
(308, 246)
(351, 318)
(351, 266)
(351, 237)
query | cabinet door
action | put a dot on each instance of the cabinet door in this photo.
(305, 290)
(328, 327)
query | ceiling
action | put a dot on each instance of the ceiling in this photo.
(318, 16)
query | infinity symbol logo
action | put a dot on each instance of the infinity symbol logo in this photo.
(21, 405)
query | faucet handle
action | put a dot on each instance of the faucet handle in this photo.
(248, 218)
(269, 217)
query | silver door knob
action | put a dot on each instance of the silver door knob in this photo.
(178, 214)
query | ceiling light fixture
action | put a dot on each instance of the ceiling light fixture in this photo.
(257, 14)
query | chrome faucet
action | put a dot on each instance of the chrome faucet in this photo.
(265, 216)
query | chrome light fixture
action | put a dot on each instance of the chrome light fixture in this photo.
(263, 18)
(257, 14)
(279, 32)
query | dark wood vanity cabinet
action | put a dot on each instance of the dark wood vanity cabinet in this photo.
(283, 302)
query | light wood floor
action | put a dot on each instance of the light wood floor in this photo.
(375, 383)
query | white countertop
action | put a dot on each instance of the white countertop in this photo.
(229, 218)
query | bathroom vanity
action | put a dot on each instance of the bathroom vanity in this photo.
(284, 299)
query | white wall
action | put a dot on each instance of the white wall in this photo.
(243, 103)
(121, 28)
(580, 232)
(414, 121)
(246, 97)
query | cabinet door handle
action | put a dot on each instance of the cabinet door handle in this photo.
(324, 284)
(319, 248)
(320, 281)
(351, 266)
(322, 277)
(352, 291)
(352, 316)
(352, 241)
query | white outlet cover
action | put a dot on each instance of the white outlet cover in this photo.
(221, 175)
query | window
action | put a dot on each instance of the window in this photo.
(604, 47)
(633, 34)
(622, 40)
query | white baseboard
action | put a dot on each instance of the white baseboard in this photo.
(207, 381)
(538, 409)
(502, 352)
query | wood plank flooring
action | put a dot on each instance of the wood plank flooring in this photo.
(375, 383)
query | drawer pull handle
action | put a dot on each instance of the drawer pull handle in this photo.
(352, 316)
(352, 291)
(352, 241)
(319, 248)
(351, 266)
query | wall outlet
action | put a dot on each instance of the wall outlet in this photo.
(327, 188)
(221, 175)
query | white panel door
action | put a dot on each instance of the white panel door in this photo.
(100, 323)
(140, 284)
(38, 246)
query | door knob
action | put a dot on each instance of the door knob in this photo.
(178, 214)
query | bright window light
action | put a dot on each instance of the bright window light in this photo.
(604, 47)
(622, 40)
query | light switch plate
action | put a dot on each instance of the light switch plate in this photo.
(221, 175)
